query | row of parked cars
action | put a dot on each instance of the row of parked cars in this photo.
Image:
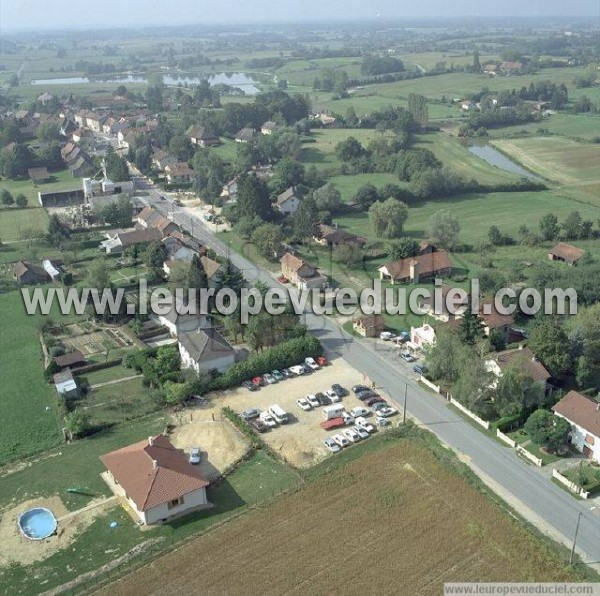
(262, 421)
(275, 376)
(323, 398)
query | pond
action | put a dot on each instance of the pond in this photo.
(498, 159)
(240, 80)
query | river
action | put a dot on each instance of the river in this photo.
(498, 159)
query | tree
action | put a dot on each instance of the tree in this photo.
(116, 167)
(246, 225)
(551, 345)
(231, 277)
(348, 254)
(547, 430)
(57, 230)
(476, 67)
(470, 388)
(471, 327)
(388, 218)
(267, 239)
(443, 229)
(349, 150)
(549, 226)
(327, 198)
(497, 341)
(181, 147)
(21, 201)
(175, 393)
(366, 196)
(288, 172)
(417, 106)
(305, 219)
(197, 278)
(118, 213)
(155, 257)
(403, 249)
(495, 236)
(253, 197)
(516, 391)
(573, 226)
(6, 198)
(77, 423)
(98, 276)
(47, 132)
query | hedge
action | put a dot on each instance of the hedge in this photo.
(287, 353)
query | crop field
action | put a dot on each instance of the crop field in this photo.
(428, 60)
(561, 160)
(400, 518)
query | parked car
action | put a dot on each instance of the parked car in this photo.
(363, 433)
(258, 425)
(270, 379)
(363, 423)
(283, 280)
(250, 414)
(195, 455)
(359, 412)
(277, 375)
(313, 401)
(368, 394)
(374, 400)
(379, 405)
(268, 419)
(382, 421)
(351, 435)
(341, 440)
(304, 404)
(323, 399)
(386, 336)
(348, 419)
(332, 445)
(307, 369)
(339, 390)
(401, 338)
(250, 386)
(408, 357)
(312, 363)
(286, 373)
(387, 412)
(332, 395)
(322, 361)
(258, 382)
(297, 370)
(359, 389)
(420, 369)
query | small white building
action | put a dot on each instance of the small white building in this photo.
(421, 337)
(583, 414)
(204, 350)
(156, 480)
(288, 201)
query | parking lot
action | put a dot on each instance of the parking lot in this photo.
(300, 441)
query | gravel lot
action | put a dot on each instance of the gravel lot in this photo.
(300, 442)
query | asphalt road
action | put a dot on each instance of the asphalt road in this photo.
(550, 508)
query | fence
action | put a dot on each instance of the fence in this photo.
(505, 438)
(470, 414)
(429, 384)
(575, 488)
(528, 455)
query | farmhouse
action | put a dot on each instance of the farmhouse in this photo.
(27, 273)
(419, 268)
(155, 479)
(39, 175)
(523, 357)
(566, 253)
(245, 135)
(204, 350)
(151, 218)
(201, 137)
(495, 321)
(268, 128)
(510, 67)
(583, 414)
(300, 273)
(176, 316)
(421, 337)
(122, 240)
(70, 360)
(288, 201)
(369, 325)
(179, 173)
(333, 237)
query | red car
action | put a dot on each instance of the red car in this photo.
(258, 381)
(374, 400)
(322, 361)
(333, 424)
(283, 280)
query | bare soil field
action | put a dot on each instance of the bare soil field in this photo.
(396, 521)
(300, 442)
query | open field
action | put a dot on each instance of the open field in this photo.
(562, 160)
(348, 185)
(14, 223)
(421, 525)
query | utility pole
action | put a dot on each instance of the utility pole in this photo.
(575, 538)
(405, 400)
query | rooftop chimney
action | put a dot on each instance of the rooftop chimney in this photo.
(155, 464)
(150, 441)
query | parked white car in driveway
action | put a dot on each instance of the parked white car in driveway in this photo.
(386, 336)
(298, 369)
(313, 401)
(351, 435)
(362, 422)
(332, 445)
(341, 440)
(268, 419)
(195, 455)
(363, 433)
(312, 363)
(333, 396)
(386, 412)
(359, 412)
(304, 404)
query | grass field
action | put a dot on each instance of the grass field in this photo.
(14, 223)
(418, 520)
(561, 160)
(348, 185)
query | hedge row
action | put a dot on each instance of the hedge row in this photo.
(287, 353)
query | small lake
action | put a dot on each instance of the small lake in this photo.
(498, 159)
(240, 80)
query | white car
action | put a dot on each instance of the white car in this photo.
(304, 404)
(333, 396)
(341, 440)
(386, 336)
(386, 412)
(408, 357)
(268, 419)
(332, 445)
(363, 433)
(359, 412)
(348, 420)
(313, 401)
(195, 455)
(297, 370)
(270, 379)
(362, 423)
(312, 363)
(351, 435)
(382, 421)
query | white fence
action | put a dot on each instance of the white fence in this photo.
(429, 384)
(575, 488)
(470, 414)
(505, 438)
(528, 455)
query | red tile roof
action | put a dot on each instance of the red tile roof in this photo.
(532, 367)
(567, 252)
(152, 472)
(581, 410)
(429, 264)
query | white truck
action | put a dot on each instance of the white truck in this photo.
(333, 411)
(279, 414)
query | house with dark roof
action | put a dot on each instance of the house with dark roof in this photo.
(583, 414)
(149, 217)
(566, 253)
(28, 273)
(521, 357)
(288, 202)
(161, 159)
(202, 137)
(205, 350)
(300, 273)
(72, 359)
(331, 236)
(245, 135)
(178, 317)
(122, 240)
(494, 321)
(179, 173)
(419, 268)
(268, 128)
(155, 479)
(369, 325)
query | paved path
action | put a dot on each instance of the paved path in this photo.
(547, 506)
(114, 381)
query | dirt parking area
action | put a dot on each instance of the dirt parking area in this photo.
(300, 442)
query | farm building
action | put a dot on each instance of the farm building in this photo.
(27, 273)
(300, 273)
(566, 253)
(583, 414)
(332, 237)
(38, 175)
(201, 137)
(71, 359)
(288, 201)
(149, 218)
(419, 268)
(155, 479)
(179, 173)
(245, 135)
(65, 384)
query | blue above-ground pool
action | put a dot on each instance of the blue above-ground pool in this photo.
(37, 523)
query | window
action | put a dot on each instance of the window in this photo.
(175, 503)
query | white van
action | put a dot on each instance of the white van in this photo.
(333, 411)
(279, 414)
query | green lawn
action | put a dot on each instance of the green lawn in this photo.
(522, 438)
(15, 223)
(348, 185)
(585, 475)
(109, 374)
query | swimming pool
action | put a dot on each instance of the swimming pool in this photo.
(37, 523)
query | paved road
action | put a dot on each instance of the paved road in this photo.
(547, 506)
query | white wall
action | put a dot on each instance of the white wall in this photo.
(221, 364)
(194, 499)
(578, 436)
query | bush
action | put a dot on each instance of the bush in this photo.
(56, 351)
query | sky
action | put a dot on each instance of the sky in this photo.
(90, 14)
